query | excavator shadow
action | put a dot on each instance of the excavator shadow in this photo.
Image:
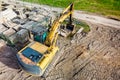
(8, 57)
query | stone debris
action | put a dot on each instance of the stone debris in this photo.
(9, 32)
(13, 16)
(80, 30)
(2, 28)
(7, 14)
(87, 56)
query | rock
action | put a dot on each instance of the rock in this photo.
(92, 56)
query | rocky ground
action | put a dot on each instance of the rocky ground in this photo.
(91, 56)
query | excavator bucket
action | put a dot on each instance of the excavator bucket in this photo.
(70, 27)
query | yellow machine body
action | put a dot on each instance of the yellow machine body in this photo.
(36, 57)
(47, 53)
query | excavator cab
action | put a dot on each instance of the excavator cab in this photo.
(70, 27)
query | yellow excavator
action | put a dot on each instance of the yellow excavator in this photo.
(36, 56)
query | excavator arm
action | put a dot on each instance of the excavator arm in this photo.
(51, 36)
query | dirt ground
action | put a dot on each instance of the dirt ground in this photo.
(92, 56)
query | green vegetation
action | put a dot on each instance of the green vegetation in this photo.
(80, 24)
(110, 8)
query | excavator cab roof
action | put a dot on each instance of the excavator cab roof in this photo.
(32, 54)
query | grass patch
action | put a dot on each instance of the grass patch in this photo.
(105, 7)
(80, 24)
